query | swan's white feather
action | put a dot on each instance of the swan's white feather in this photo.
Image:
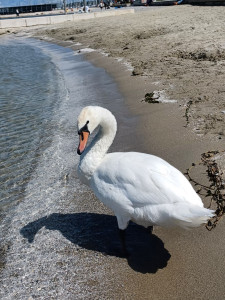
(152, 191)
(137, 186)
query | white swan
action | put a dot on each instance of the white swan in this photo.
(135, 186)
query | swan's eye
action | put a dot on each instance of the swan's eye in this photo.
(83, 129)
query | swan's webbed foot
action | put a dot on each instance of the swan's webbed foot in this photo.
(150, 229)
(123, 242)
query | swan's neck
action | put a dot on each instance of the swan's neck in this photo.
(95, 153)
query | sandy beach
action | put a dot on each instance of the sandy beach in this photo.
(177, 55)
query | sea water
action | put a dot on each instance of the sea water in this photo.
(31, 90)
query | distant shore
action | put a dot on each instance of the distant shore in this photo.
(51, 18)
(177, 55)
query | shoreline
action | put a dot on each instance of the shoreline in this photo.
(194, 269)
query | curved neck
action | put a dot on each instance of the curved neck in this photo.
(99, 146)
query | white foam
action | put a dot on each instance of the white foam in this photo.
(162, 97)
(156, 82)
(84, 50)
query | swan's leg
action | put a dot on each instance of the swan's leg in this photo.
(122, 224)
(150, 229)
(122, 233)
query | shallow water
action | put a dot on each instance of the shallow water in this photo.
(31, 89)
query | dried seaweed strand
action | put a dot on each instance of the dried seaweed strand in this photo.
(215, 190)
(186, 115)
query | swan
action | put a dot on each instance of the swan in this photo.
(137, 187)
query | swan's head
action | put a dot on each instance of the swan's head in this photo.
(89, 119)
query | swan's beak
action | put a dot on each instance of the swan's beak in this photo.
(83, 142)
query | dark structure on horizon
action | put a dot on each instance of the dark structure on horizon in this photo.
(26, 6)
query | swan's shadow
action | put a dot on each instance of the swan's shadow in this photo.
(100, 233)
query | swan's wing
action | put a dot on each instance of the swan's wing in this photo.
(138, 179)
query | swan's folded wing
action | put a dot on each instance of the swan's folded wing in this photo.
(138, 179)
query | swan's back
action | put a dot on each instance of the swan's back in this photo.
(144, 179)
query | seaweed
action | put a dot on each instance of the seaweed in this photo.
(186, 115)
(216, 190)
(151, 98)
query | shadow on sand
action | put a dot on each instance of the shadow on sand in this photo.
(100, 233)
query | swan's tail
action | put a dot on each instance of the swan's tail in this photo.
(194, 218)
(180, 214)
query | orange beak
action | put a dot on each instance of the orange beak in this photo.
(83, 142)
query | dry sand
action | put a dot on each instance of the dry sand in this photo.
(179, 54)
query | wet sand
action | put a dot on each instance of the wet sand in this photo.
(171, 49)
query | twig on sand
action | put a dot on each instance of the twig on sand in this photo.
(186, 115)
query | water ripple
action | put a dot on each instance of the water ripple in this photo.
(29, 93)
